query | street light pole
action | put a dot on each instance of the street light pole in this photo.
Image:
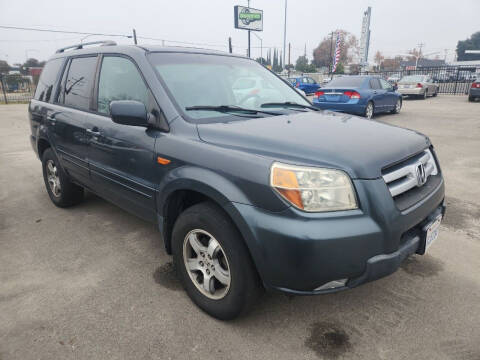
(285, 33)
(248, 52)
(261, 45)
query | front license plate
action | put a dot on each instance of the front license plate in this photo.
(432, 231)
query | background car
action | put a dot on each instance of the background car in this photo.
(394, 78)
(474, 92)
(305, 83)
(360, 95)
(417, 85)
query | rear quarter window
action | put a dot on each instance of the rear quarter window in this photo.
(79, 82)
(46, 83)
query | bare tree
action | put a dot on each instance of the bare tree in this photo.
(349, 49)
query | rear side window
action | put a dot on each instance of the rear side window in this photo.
(47, 80)
(120, 80)
(374, 84)
(78, 86)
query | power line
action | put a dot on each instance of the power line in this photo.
(62, 31)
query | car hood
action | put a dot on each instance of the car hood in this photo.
(358, 146)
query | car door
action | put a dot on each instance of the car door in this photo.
(68, 121)
(121, 157)
(390, 97)
(313, 85)
(378, 94)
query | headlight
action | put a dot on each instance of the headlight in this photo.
(313, 189)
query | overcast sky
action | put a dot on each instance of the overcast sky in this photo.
(396, 26)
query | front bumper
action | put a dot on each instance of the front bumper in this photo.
(299, 252)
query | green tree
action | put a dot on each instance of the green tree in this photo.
(340, 69)
(472, 43)
(262, 61)
(4, 67)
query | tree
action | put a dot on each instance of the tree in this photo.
(303, 66)
(472, 43)
(340, 69)
(262, 61)
(4, 67)
(348, 49)
(391, 64)
(378, 58)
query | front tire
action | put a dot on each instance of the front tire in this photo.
(398, 107)
(61, 190)
(213, 262)
(424, 96)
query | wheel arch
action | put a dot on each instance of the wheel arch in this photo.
(189, 186)
(42, 145)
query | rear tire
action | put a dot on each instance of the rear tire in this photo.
(237, 287)
(369, 110)
(471, 99)
(435, 93)
(61, 190)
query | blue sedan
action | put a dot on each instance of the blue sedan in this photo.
(359, 95)
(305, 83)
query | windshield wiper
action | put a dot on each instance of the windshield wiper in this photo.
(289, 104)
(230, 109)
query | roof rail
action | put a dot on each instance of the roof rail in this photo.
(80, 46)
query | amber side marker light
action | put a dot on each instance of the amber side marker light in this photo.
(163, 161)
(285, 182)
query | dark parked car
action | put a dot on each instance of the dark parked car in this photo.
(474, 92)
(305, 83)
(249, 190)
(361, 95)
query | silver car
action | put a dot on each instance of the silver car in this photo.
(417, 85)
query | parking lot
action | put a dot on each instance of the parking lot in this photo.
(94, 282)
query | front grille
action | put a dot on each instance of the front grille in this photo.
(412, 180)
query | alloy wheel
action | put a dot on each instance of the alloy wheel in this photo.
(369, 111)
(53, 178)
(206, 264)
(398, 106)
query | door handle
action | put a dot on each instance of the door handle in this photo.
(51, 120)
(375, 92)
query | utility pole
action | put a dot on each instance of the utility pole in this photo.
(230, 45)
(331, 44)
(134, 37)
(289, 49)
(420, 46)
(305, 51)
(248, 50)
(445, 57)
(285, 33)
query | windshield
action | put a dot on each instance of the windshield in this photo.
(413, 78)
(346, 81)
(215, 80)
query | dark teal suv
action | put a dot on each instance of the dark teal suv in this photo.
(250, 189)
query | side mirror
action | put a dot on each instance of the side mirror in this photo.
(128, 112)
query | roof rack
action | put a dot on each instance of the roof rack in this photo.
(80, 46)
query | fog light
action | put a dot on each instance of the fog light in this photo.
(332, 285)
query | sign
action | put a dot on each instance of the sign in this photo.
(248, 18)
(365, 36)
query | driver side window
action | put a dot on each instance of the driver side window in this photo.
(119, 80)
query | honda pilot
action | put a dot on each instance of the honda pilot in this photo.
(250, 189)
